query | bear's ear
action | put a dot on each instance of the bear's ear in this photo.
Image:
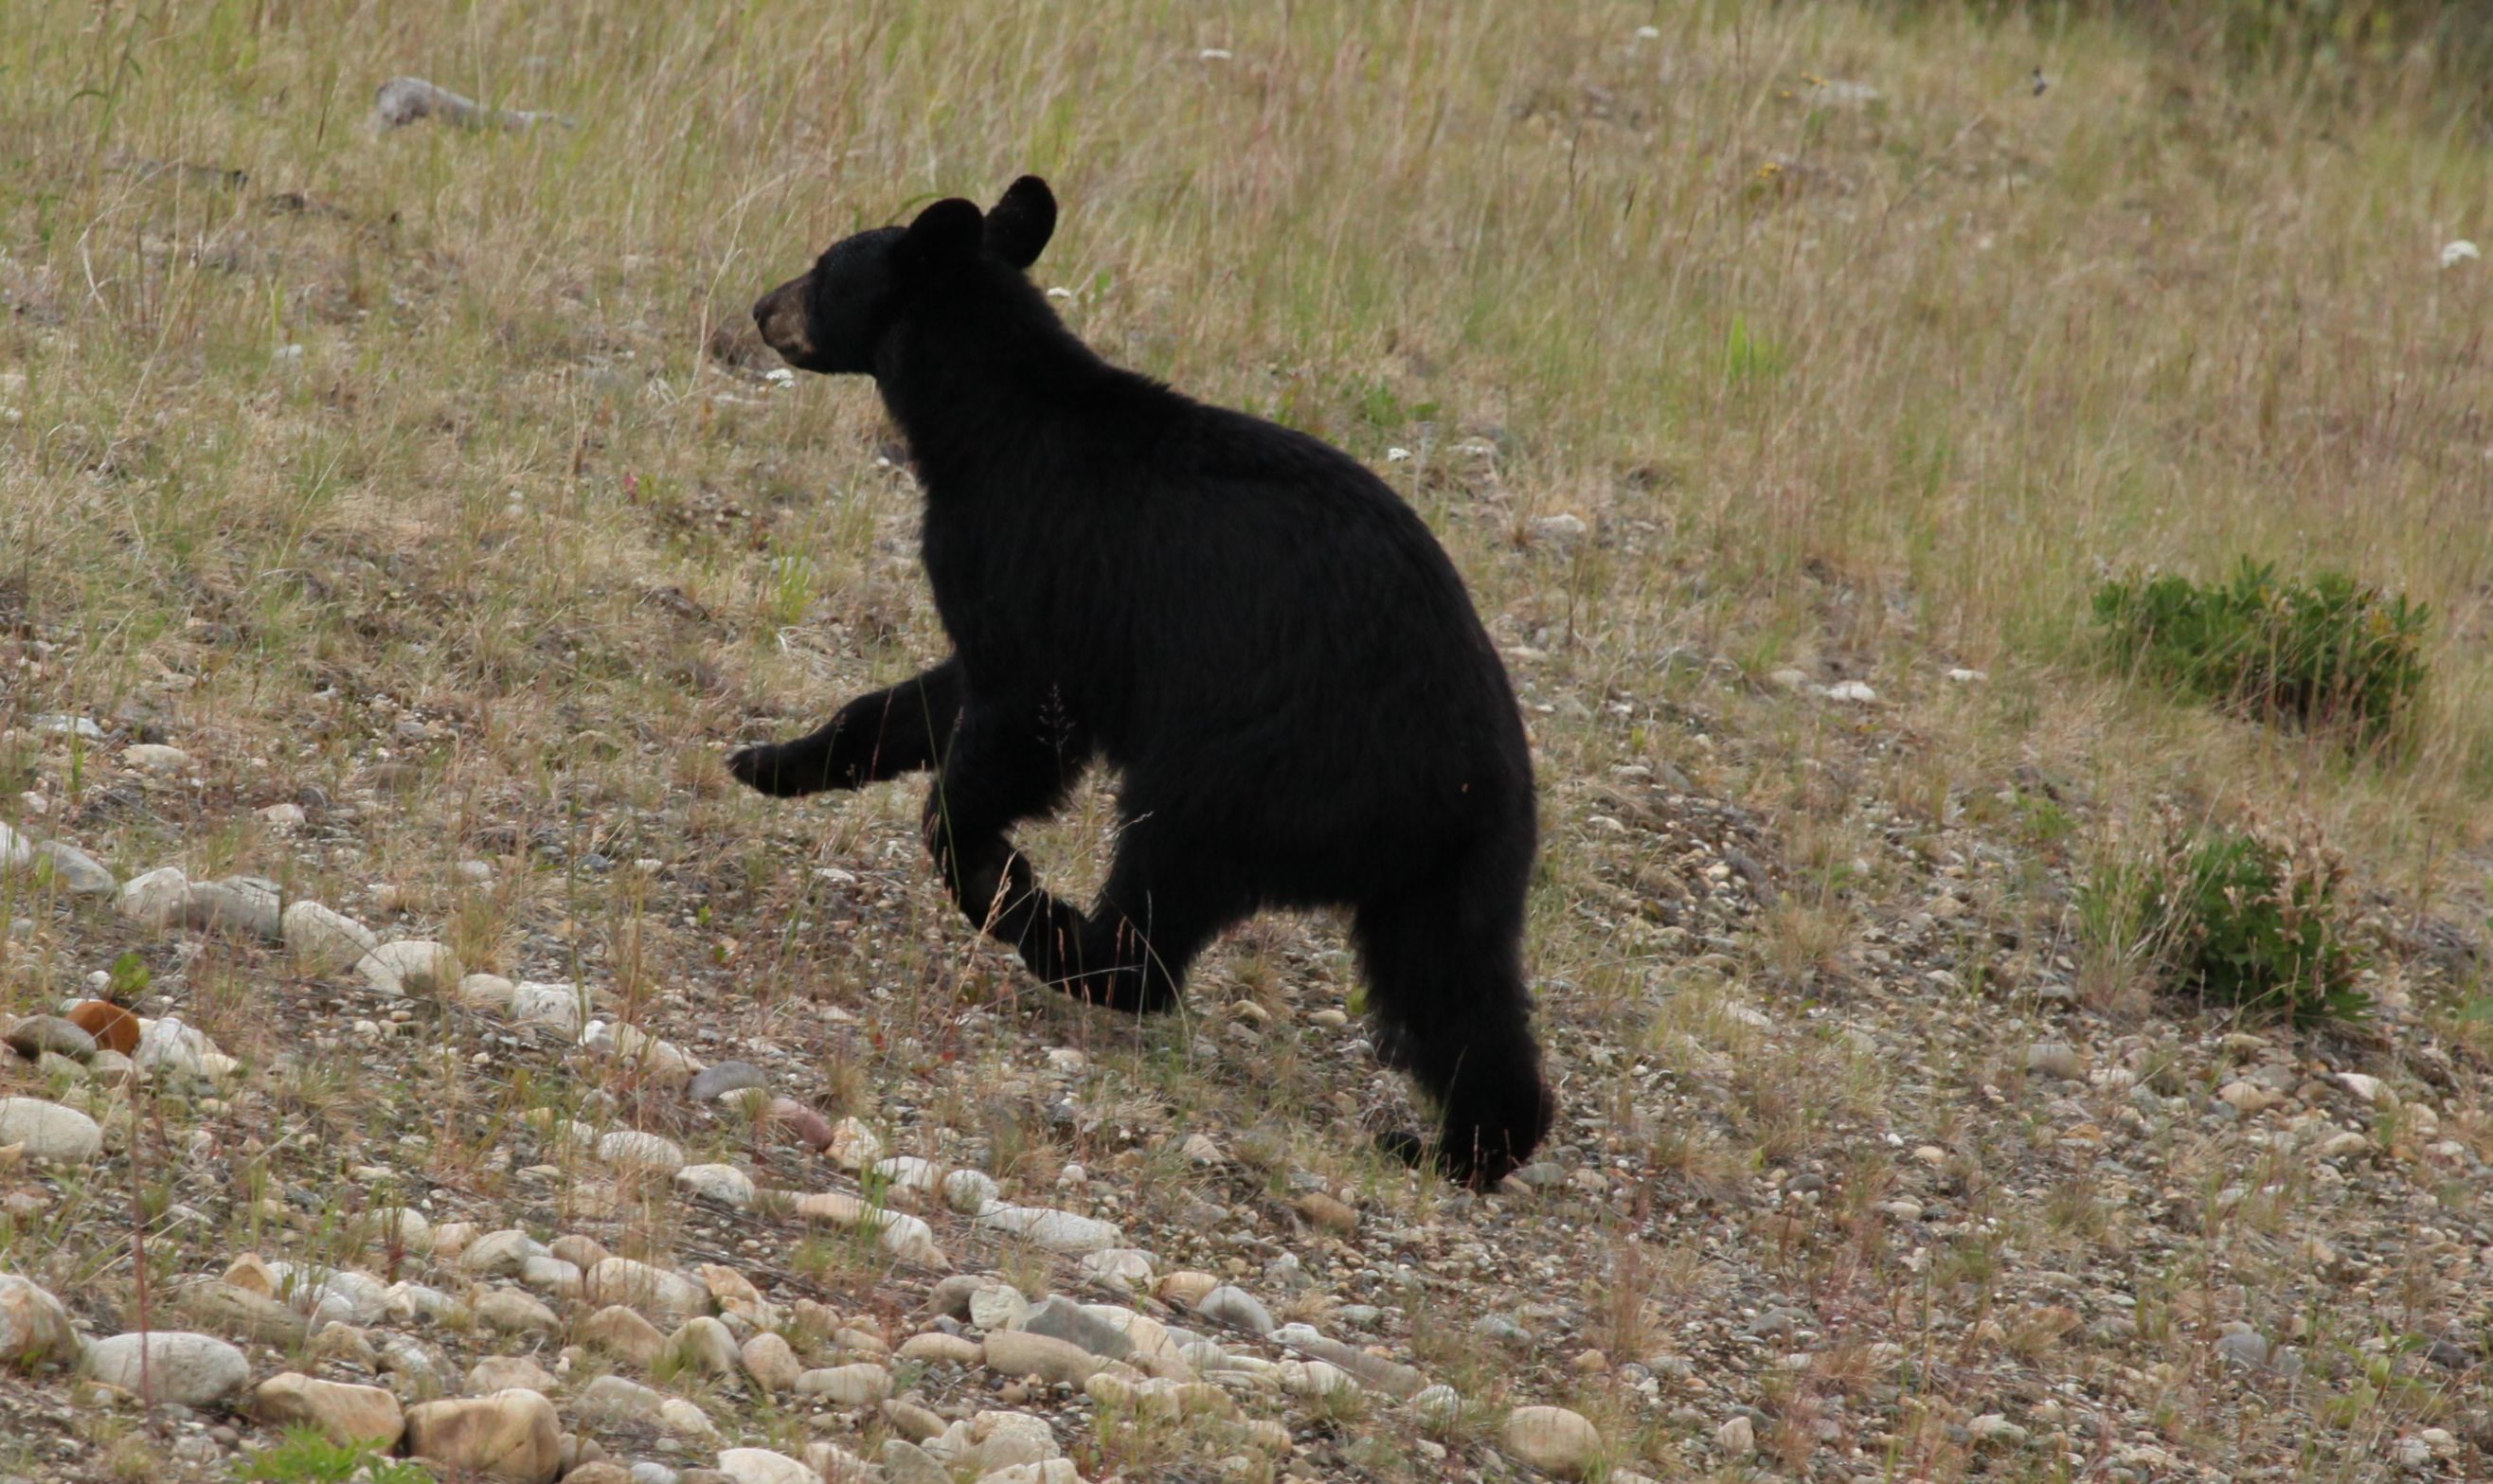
(945, 235)
(1022, 222)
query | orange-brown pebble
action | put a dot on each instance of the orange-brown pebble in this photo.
(114, 1028)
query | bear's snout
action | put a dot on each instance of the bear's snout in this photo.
(780, 316)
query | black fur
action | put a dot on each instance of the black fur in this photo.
(1248, 625)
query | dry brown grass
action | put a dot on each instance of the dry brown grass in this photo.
(433, 469)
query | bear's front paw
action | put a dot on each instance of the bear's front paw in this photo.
(763, 767)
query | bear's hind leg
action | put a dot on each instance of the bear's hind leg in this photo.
(1451, 1008)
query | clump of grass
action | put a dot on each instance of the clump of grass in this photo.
(2329, 653)
(305, 1455)
(2248, 919)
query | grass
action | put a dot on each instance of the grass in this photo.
(2251, 920)
(430, 478)
(2329, 653)
(305, 1455)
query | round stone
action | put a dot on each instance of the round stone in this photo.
(192, 1370)
(49, 1131)
(1553, 1440)
(36, 1034)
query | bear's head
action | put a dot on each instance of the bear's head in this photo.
(833, 318)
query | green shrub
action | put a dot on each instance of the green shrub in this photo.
(2329, 653)
(2242, 919)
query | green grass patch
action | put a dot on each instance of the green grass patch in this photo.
(2329, 653)
(2242, 919)
(306, 1455)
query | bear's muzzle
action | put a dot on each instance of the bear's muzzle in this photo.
(780, 315)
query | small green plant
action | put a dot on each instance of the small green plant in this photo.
(790, 594)
(1750, 358)
(2246, 919)
(129, 977)
(2331, 653)
(306, 1455)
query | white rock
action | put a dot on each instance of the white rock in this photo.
(16, 852)
(511, 1372)
(514, 1312)
(49, 1131)
(1023, 1352)
(1058, 1231)
(848, 1385)
(907, 1172)
(344, 1297)
(761, 1466)
(487, 993)
(615, 1398)
(154, 897)
(662, 1062)
(1147, 1335)
(654, 1291)
(34, 1330)
(2459, 250)
(1994, 1428)
(969, 1191)
(634, 1150)
(414, 1300)
(1853, 692)
(167, 1048)
(548, 1274)
(411, 966)
(1050, 1471)
(909, 1239)
(1553, 1440)
(1230, 1305)
(155, 757)
(189, 1369)
(705, 1344)
(2055, 1058)
(996, 1439)
(853, 1145)
(563, 1006)
(328, 939)
(1437, 1407)
(1316, 1378)
(997, 1306)
(2371, 1090)
(1119, 1268)
(896, 1232)
(404, 1228)
(498, 1253)
(771, 1362)
(1737, 1438)
(75, 872)
(724, 1184)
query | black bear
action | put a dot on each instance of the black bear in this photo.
(1263, 640)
